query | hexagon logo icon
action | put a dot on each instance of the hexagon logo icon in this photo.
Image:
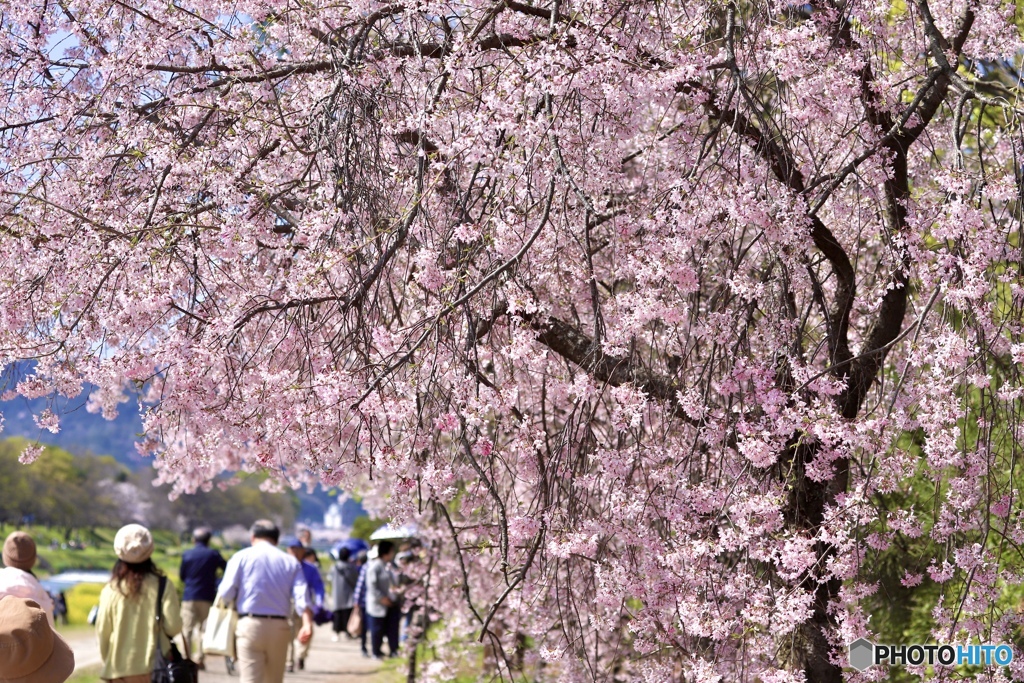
(862, 654)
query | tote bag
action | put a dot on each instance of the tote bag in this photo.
(354, 627)
(219, 636)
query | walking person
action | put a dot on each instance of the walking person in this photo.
(383, 601)
(30, 650)
(262, 581)
(17, 579)
(344, 576)
(298, 652)
(126, 620)
(306, 538)
(198, 571)
(60, 608)
(359, 600)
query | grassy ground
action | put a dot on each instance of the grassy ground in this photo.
(470, 668)
(81, 599)
(97, 551)
(86, 677)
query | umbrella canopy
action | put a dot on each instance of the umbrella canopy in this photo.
(390, 533)
(354, 545)
(290, 542)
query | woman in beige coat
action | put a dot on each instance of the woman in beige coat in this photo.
(126, 624)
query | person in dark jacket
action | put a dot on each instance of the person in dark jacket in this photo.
(60, 608)
(344, 576)
(199, 567)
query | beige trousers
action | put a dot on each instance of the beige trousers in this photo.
(262, 649)
(193, 619)
(297, 650)
(141, 678)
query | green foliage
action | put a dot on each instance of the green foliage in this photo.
(242, 503)
(57, 489)
(75, 493)
(95, 549)
(470, 667)
(85, 677)
(904, 614)
(364, 526)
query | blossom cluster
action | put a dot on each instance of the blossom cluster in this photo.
(670, 323)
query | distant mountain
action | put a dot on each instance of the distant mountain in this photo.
(314, 505)
(80, 430)
(84, 432)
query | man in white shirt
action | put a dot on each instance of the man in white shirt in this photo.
(263, 581)
(17, 579)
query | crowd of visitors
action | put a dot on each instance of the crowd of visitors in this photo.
(385, 592)
(276, 594)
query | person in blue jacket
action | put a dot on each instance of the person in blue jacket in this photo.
(199, 567)
(314, 598)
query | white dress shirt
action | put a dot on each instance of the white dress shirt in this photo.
(264, 580)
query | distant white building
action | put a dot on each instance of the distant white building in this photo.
(332, 518)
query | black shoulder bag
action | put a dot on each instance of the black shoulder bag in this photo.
(173, 668)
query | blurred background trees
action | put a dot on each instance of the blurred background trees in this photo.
(86, 491)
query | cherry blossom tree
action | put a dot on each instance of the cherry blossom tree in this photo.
(654, 315)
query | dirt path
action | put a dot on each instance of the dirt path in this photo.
(328, 662)
(82, 640)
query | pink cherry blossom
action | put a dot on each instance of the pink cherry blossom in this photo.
(665, 322)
